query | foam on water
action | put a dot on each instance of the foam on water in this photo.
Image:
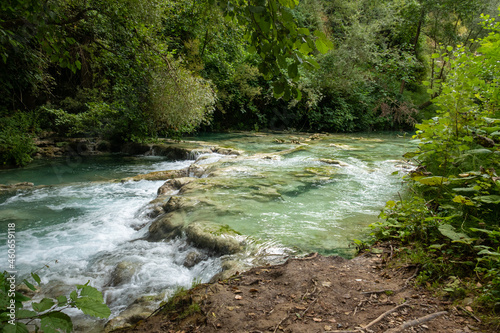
(83, 231)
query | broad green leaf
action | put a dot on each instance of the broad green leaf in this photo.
(56, 322)
(305, 49)
(293, 70)
(20, 314)
(480, 151)
(21, 298)
(62, 300)
(73, 295)
(435, 55)
(43, 305)
(91, 292)
(463, 200)
(304, 31)
(321, 46)
(456, 237)
(16, 328)
(279, 88)
(431, 181)
(489, 252)
(92, 307)
(465, 189)
(312, 64)
(491, 199)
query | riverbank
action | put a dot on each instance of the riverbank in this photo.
(370, 293)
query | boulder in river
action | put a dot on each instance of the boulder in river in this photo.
(123, 273)
(214, 237)
(166, 226)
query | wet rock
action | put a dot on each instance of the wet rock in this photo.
(166, 226)
(158, 175)
(263, 194)
(140, 309)
(229, 268)
(196, 170)
(230, 171)
(342, 146)
(123, 273)
(128, 318)
(226, 151)
(334, 162)
(180, 203)
(214, 237)
(172, 152)
(193, 258)
(173, 185)
(15, 187)
(325, 171)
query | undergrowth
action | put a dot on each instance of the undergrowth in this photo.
(448, 222)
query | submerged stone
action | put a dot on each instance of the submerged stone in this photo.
(335, 162)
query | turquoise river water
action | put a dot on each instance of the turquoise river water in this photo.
(82, 225)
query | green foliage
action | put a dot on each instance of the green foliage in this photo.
(47, 314)
(454, 211)
(179, 101)
(16, 139)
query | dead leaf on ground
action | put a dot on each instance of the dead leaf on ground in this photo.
(238, 297)
(317, 319)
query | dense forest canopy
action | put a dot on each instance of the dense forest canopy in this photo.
(132, 70)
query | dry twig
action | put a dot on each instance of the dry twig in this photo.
(282, 320)
(385, 314)
(469, 313)
(415, 322)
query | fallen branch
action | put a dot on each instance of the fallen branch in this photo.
(310, 304)
(415, 322)
(384, 315)
(469, 313)
(282, 320)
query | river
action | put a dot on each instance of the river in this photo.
(282, 197)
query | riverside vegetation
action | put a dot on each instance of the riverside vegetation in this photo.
(134, 71)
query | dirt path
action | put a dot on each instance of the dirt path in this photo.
(313, 294)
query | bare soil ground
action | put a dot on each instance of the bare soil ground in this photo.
(315, 294)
